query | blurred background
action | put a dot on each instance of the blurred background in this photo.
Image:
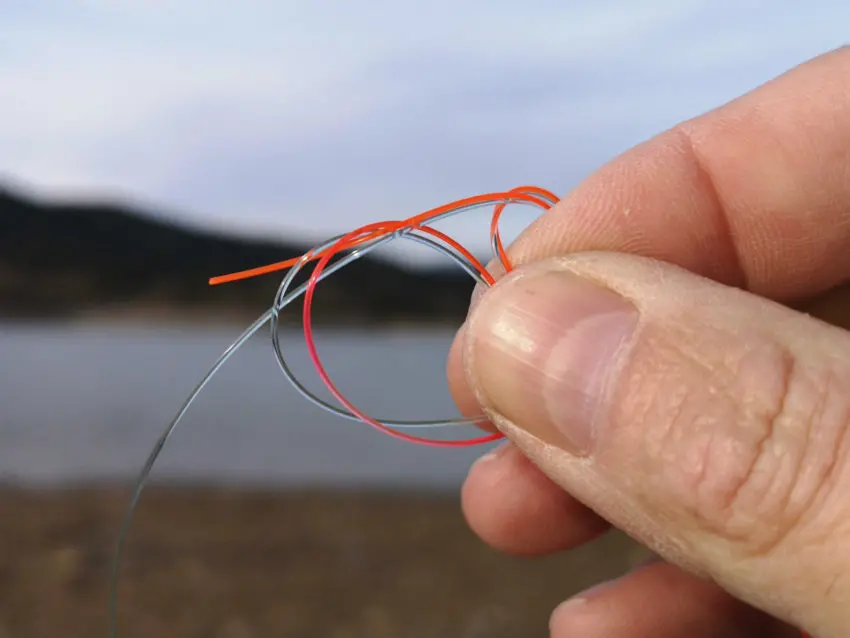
(146, 146)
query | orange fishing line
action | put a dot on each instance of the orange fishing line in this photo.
(530, 194)
(341, 245)
(370, 232)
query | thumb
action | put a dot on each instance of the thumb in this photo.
(707, 422)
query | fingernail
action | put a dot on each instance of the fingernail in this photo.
(567, 610)
(589, 595)
(493, 455)
(543, 349)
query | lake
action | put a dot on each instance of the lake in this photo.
(84, 403)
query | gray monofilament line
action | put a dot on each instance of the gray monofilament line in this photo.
(282, 299)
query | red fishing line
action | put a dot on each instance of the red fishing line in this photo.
(529, 194)
(344, 244)
(370, 232)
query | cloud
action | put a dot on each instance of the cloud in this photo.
(314, 117)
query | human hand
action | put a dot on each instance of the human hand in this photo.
(650, 361)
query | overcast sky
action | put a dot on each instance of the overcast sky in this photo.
(315, 116)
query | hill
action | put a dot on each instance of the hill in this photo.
(64, 260)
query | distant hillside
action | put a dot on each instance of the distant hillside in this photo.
(72, 260)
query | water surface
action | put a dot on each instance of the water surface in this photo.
(85, 403)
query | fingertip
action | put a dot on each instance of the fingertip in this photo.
(659, 600)
(516, 509)
(461, 393)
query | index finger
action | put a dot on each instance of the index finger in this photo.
(755, 194)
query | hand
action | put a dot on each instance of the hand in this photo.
(650, 361)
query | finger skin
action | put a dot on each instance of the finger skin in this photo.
(512, 505)
(542, 518)
(722, 441)
(753, 194)
(661, 601)
(517, 509)
(464, 401)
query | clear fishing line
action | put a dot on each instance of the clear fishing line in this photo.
(356, 244)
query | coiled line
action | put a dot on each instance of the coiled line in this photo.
(357, 243)
(360, 242)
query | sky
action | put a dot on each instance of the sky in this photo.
(304, 119)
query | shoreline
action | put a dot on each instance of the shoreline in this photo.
(219, 321)
(233, 563)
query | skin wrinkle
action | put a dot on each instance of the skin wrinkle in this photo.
(770, 417)
(826, 525)
(804, 503)
(791, 143)
(674, 407)
(705, 176)
(838, 458)
(697, 360)
(639, 406)
(833, 427)
(831, 587)
(683, 459)
(677, 407)
(803, 200)
(822, 408)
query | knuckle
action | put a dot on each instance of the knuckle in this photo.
(752, 455)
